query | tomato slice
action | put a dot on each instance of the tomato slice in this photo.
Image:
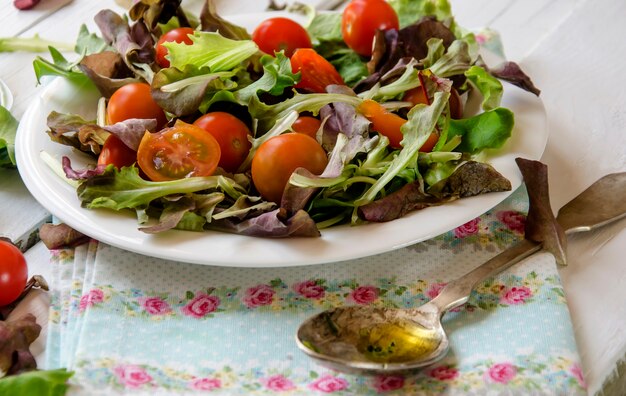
(383, 121)
(316, 73)
(181, 151)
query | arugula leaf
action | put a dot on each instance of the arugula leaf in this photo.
(421, 121)
(8, 127)
(30, 44)
(489, 86)
(486, 130)
(37, 382)
(89, 43)
(455, 61)
(210, 50)
(58, 67)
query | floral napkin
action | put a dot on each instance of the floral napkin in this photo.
(133, 324)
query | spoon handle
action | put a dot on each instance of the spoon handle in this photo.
(457, 292)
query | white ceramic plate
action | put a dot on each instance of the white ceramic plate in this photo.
(214, 248)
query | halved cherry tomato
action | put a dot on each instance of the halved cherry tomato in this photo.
(361, 19)
(277, 158)
(277, 34)
(178, 35)
(231, 134)
(13, 273)
(315, 72)
(307, 125)
(115, 152)
(389, 124)
(417, 96)
(134, 101)
(183, 150)
(383, 121)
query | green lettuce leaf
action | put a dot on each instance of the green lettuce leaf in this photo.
(40, 383)
(90, 43)
(410, 11)
(59, 66)
(488, 130)
(210, 50)
(325, 27)
(277, 76)
(489, 86)
(8, 127)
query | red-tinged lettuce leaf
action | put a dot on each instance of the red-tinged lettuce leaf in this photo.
(135, 44)
(511, 72)
(56, 236)
(15, 339)
(541, 225)
(274, 224)
(106, 85)
(131, 131)
(409, 42)
(80, 174)
(397, 204)
(172, 214)
(210, 21)
(72, 130)
(470, 179)
(153, 12)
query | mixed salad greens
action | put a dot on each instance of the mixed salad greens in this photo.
(201, 126)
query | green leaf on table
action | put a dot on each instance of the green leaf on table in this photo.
(489, 86)
(30, 44)
(40, 383)
(488, 130)
(8, 128)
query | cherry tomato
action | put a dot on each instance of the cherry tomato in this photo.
(417, 96)
(277, 158)
(307, 125)
(117, 153)
(179, 35)
(13, 273)
(231, 134)
(315, 71)
(383, 121)
(429, 145)
(361, 19)
(277, 34)
(183, 150)
(134, 101)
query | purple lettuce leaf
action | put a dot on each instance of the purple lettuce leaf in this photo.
(541, 225)
(511, 72)
(210, 21)
(274, 224)
(153, 12)
(56, 236)
(15, 339)
(80, 174)
(397, 204)
(131, 131)
(172, 214)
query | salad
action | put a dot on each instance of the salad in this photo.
(356, 116)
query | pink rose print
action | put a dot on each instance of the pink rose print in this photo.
(259, 295)
(155, 305)
(205, 384)
(309, 289)
(328, 384)
(501, 372)
(201, 305)
(364, 294)
(388, 383)
(444, 373)
(514, 221)
(516, 295)
(131, 376)
(434, 289)
(278, 383)
(94, 296)
(469, 228)
(577, 372)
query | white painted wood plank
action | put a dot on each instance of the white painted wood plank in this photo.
(14, 21)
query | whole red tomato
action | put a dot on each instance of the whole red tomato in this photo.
(134, 101)
(361, 19)
(115, 152)
(179, 35)
(277, 158)
(13, 273)
(232, 135)
(277, 34)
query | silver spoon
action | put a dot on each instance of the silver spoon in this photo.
(367, 340)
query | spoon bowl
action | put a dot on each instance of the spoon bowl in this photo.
(381, 340)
